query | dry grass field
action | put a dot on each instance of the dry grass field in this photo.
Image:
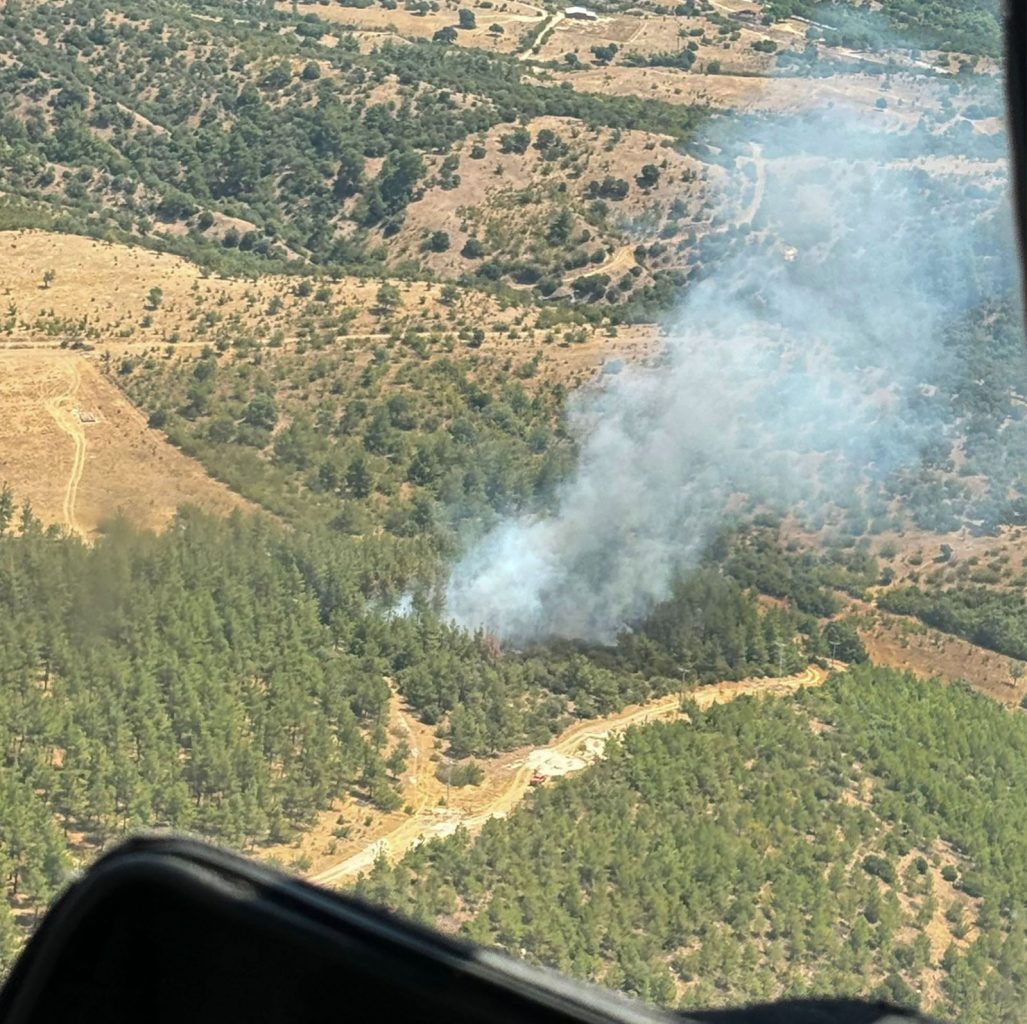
(100, 295)
(514, 16)
(73, 446)
(99, 300)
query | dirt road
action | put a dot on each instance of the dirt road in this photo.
(622, 259)
(748, 215)
(61, 406)
(39, 393)
(508, 778)
(114, 464)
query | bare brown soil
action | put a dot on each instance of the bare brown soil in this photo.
(905, 643)
(578, 362)
(73, 446)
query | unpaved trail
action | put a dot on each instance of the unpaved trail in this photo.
(508, 778)
(115, 465)
(748, 215)
(621, 259)
(538, 14)
(61, 407)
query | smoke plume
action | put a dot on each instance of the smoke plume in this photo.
(805, 359)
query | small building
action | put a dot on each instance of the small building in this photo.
(581, 13)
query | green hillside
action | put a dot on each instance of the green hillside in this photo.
(864, 838)
(249, 143)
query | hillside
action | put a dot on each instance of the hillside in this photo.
(341, 137)
(401, 399)
(110, 721)
(109, 316)
(254, 142)
(81, 455)
(701, 864)
(112, 299)
(443, 798)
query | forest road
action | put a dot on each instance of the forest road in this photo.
(508, 778)
(61, 407)
(748, 215)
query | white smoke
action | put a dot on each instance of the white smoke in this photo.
(795, 365)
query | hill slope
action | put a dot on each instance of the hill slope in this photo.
(860, 838)
(73, 446)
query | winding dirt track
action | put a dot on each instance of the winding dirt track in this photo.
(748, 215)
(509, 779)
(61, 407)
(115, 464)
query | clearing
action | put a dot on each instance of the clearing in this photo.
(905, 643)
(81, 453)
